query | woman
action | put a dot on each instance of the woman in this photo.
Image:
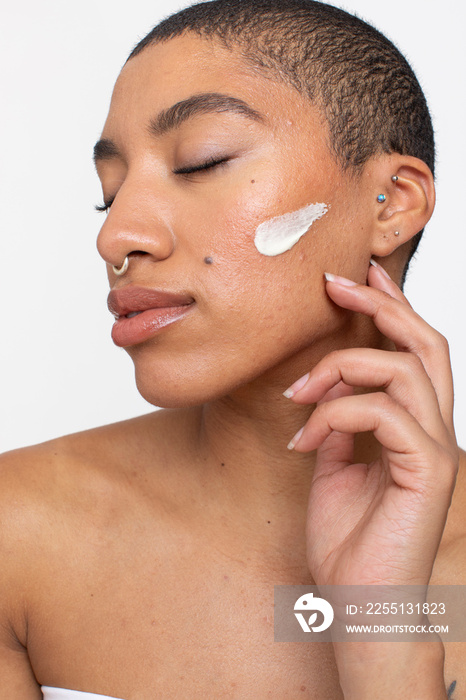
(266, 170)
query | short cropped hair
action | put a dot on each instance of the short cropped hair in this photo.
(366, 89)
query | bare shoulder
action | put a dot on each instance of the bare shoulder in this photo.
(101, 451)
(76, 480)
(85, 476)
(63, 496)
(35, 480)
(69, 509)
(38, 470)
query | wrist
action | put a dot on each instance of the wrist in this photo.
(391, 670)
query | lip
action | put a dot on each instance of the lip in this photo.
(154, 309)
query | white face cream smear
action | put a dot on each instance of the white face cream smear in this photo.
(281, 233)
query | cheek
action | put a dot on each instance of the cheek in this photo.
(228, 214)
(247, 325)
(241, 280)
(268, 304)
(253, 313)
(277, 305)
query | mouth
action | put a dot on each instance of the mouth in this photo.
(140, 313)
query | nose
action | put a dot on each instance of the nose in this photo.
(137, 223)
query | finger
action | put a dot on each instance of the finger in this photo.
(337, 450)
(410, 333)
(402, 375)
(379, 278)
(415, 459)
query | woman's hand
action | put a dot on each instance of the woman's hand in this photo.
(379, 523)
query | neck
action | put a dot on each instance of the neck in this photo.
(245, 435)
(242, 438)
(243, 467)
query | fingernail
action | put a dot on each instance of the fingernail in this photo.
(292, 444)
(382, 269)
(294, 388)
(339, 280)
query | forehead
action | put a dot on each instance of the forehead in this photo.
(169, 72)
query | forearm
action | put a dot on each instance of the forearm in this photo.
(391, 671)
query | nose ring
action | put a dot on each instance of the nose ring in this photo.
(121, 270)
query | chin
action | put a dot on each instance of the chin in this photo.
(188, 376)
(178, 389)
(171, 398)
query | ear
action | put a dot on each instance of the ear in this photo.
(408, 185)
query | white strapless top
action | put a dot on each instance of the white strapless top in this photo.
(64, 694)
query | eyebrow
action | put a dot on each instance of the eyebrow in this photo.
(173, 117)
(203, 103)
(105, 150)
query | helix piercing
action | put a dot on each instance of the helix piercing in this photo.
(381, 198)
(121, 270)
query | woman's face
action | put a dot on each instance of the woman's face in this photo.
(192, 233)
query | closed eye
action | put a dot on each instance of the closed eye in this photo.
(105, 206)
(206, 165)
(188, 170)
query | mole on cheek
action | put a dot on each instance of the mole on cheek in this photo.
(208, 261)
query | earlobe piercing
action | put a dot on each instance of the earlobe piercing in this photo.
(121, 270)
(397, 233)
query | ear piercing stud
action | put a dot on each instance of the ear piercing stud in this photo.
(121, 270)
(381, 197)
(397, 233)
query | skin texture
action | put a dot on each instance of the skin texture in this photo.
(239, 282)
(142, 556)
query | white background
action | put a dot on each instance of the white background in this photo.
(60, 372)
